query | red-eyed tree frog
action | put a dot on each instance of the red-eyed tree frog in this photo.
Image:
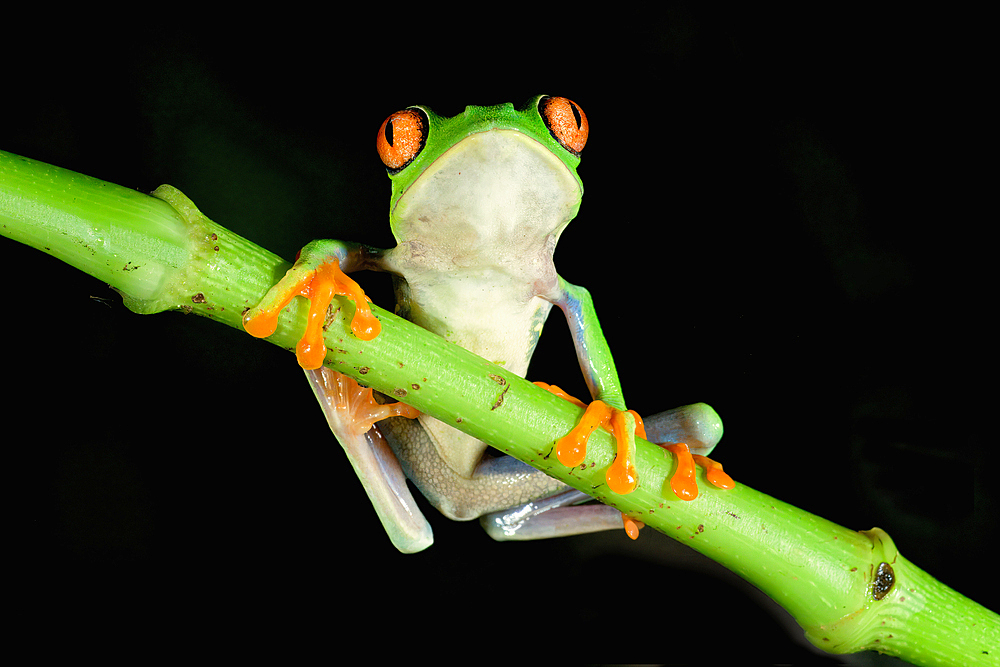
(478, 203)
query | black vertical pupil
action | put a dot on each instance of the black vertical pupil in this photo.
(388, 133)
(576, 115)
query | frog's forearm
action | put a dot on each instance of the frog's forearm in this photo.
(352, 256)
(828, 577)
(592, 349)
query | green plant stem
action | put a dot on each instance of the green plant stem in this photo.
(162, 254)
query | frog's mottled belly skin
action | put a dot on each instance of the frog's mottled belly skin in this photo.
(497, 483)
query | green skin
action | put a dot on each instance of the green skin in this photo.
(476, 215)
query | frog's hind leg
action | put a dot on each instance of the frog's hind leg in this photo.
(497, 482)
(558, 515)
(516, 501)
(351, 412)
(513, 500)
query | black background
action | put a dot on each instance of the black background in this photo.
(778, 221)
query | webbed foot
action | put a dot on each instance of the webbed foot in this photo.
(683, 482)
(571, 449)
(319, 280)
(357, 404)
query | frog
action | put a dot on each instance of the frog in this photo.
(478, 202)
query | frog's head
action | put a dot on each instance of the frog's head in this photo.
(487, 172)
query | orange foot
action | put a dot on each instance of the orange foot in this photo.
(572, 448)
(358, 403)
(319, 285)
(683, 483)
(632, 526)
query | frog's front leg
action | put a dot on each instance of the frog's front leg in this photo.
(608, 406)
(319, 273)
(607, 409)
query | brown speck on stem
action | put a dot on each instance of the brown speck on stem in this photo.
(499, 400)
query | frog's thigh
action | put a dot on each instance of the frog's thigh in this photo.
(497, 483)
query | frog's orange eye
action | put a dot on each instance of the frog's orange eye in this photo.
(401, 138)
(566, 121)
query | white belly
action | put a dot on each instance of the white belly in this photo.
(487, 312)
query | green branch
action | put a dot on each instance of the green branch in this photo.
(849, 590)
